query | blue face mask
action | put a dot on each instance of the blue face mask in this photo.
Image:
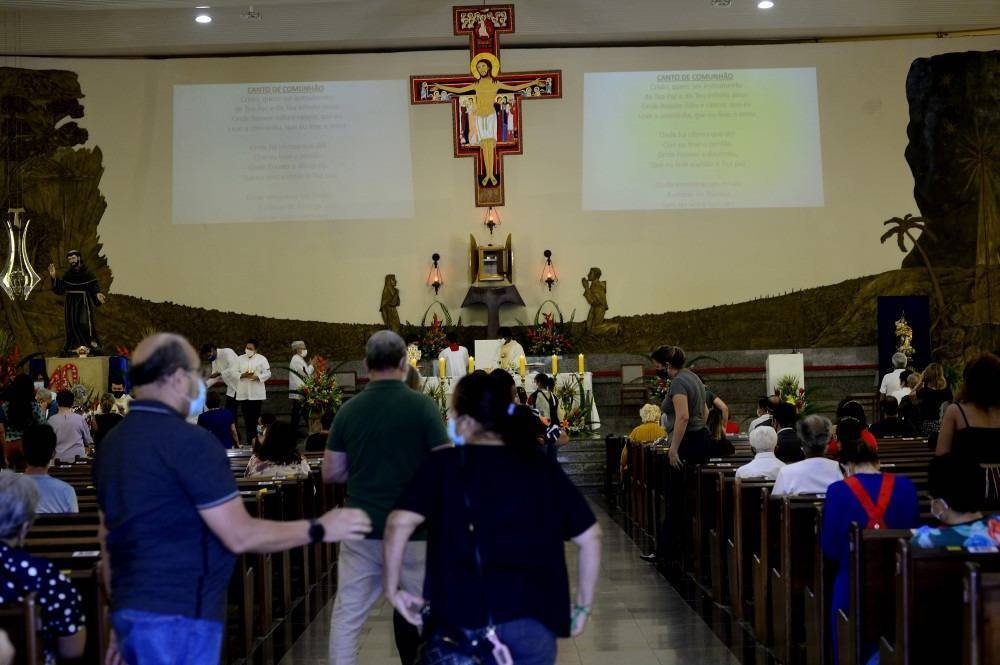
(197, 404)
(453, 434)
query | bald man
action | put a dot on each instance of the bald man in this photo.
(172, 519)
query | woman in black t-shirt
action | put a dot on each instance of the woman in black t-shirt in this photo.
(497, 514)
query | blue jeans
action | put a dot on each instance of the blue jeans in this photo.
(149, 638)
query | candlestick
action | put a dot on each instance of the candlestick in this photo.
(579, 364)
(472, 364)
(441, 367)
(555, 364)
(522, 367)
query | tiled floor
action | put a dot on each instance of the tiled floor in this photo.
(638, 619)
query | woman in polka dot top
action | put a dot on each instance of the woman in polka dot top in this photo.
(62, 632)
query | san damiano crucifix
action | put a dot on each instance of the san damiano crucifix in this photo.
(486, 105)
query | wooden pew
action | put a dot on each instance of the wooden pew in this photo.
(981, 618)
(792, 570)
(750, 499)
(18, 620)
(929, 604)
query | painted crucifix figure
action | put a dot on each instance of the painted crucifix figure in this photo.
(486, 104)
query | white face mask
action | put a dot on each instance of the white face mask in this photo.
(250, 353)
(303, 353)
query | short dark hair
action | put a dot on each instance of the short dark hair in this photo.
(207, 348)
(411, 339)
(503, 378)
(981, 382)
(252, 340)
(669, 355)
(213, 400)
(955, 480)
(384, 350)
(850, 409)
(39, 442)
(452, 337)
(785, 414)
(890, 406)
(765, 404)
(165, 359)
(65, 399)
(267, 418)
(853, 450)
(505, 332)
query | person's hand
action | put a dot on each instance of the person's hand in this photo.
(101, 298)
(214, 375)
(345, 524)
(675, 458)
(408, 606)
(52, 270)
(247, 375)
(578, 620)
(112, 656)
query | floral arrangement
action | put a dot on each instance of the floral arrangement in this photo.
(549, 336)
(64, 377)
(788, 390)
(10, 358)
(434, 337)
(577, 404)
(658, 388)
(319, 390)
(436, 391)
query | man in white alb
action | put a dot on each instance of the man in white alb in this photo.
(224, 370)
(253, 371)
(891, 382)
(298, 370)
(456, 358)
(511, 350)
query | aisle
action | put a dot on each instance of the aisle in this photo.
(639, 619)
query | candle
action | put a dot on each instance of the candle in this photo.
(579, 364)
(472, 364)
(441, 367)
(522, 367)
(555, 364)
(413, 362)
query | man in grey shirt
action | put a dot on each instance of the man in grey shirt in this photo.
(55, 496)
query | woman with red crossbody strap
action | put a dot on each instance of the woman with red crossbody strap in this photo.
(867, 496)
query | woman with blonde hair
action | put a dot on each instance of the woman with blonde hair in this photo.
(649, 431)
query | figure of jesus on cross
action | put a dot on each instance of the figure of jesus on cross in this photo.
(490, 126)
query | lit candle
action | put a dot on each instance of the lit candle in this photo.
(441, 367)
(522, 367)
(555, 364)
(472, 364)
(579, 364)
(413, 362)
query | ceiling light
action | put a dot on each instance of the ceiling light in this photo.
(202, 7)
(765, 4)
(203, 18)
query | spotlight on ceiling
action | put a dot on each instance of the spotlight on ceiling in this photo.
(203, 18)
(765, 4)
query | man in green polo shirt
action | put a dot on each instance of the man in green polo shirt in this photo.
(378, 441)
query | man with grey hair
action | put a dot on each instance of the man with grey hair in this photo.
(815, 473)
(172, 519)
(891, 381)
(764, 464)
(298, 370)
(62, 622)
(378, 441)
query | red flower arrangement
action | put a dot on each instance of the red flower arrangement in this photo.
(434, 339)
(547, 338)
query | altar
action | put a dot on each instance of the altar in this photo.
(565, 382)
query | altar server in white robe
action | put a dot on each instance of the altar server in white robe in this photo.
(224, 369)
(456, 357)
(254, 371)
(299, 369)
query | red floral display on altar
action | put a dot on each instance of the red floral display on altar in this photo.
(434, 339)
(64, 377)
(546, 338)
(8, 366)
(319, 390)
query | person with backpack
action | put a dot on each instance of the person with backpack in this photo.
(867, 496)
(543, 400)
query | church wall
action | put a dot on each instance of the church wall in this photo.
(654, 261)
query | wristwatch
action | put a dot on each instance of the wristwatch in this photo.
(317, 532)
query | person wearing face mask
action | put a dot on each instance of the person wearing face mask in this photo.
(378, 441)
(867, 496)
(251, 391)
(224, 368)
(956, 504)
(298, 370)
(172, 519)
